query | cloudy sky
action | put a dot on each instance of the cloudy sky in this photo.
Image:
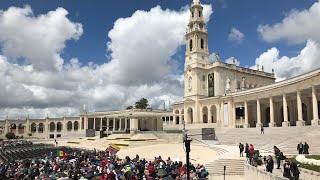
(56, 56)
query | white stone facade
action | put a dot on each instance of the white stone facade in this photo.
(231, 96)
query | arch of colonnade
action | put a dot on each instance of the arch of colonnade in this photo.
(43, 128)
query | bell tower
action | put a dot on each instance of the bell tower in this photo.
(197, 53)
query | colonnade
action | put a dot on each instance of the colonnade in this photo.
(295, 108)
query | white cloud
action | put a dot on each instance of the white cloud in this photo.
(140, 49)
(286, 67)
(40, 39)
(232, 60)
(297, 27)
(235, 35)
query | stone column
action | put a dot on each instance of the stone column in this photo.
(209, 115)
(64, 125)
(120, 121)
(134, 123)
(180, 118)
(315, 120)
(233, 115)
(27, 126)
(246, 120)
(258, 125)
(300, 121)
(114, 124)
(271, 124)
(94, 123)
(86, 122)
(222, 114)
(285, 122)
(100, 123)
(107, 126)
(37, 126)
(125, 124)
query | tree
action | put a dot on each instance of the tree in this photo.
(129, 107)
(10, 135)
(142, 103)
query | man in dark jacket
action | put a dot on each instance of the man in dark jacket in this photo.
(241, 148)
(305, 148)
(294, 171)
(300, 148)
(276, 154)
(269, 165)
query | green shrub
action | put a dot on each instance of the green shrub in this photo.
(29, 134)
(10, 135)
(308, 166)
(21, 137)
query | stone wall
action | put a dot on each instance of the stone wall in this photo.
(251, 172)
(308, 175)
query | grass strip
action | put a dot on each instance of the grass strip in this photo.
(71, 142)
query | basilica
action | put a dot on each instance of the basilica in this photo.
(217, 94)
(227, 95)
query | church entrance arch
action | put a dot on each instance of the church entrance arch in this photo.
(267, 116)
(305, 114)
(190, 116)
(177, 117)
(205, 114)
(213, 118)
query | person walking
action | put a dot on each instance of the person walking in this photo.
(276, 154)
(306, 148)
(247, 151)
(262, 129)
(241, 148)
(300, 148)
(269, 164)
(294, 170)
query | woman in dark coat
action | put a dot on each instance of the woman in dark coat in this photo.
(286, 169)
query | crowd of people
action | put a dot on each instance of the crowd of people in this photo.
(290, 168)
(101, 165)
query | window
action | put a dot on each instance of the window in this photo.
(190, 45)
(190, 83)
(202, 43)
(199, 13)
(192, 13)
(203, 78)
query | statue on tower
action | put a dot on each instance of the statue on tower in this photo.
(228, 81)
(217, 57)
(243, 84)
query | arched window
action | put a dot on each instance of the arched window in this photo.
(192, 13)
(199, 13)
(190, 83)
(190, 45)
(202, 43)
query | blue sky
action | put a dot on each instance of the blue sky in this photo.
(98, 17)
(56, 56)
